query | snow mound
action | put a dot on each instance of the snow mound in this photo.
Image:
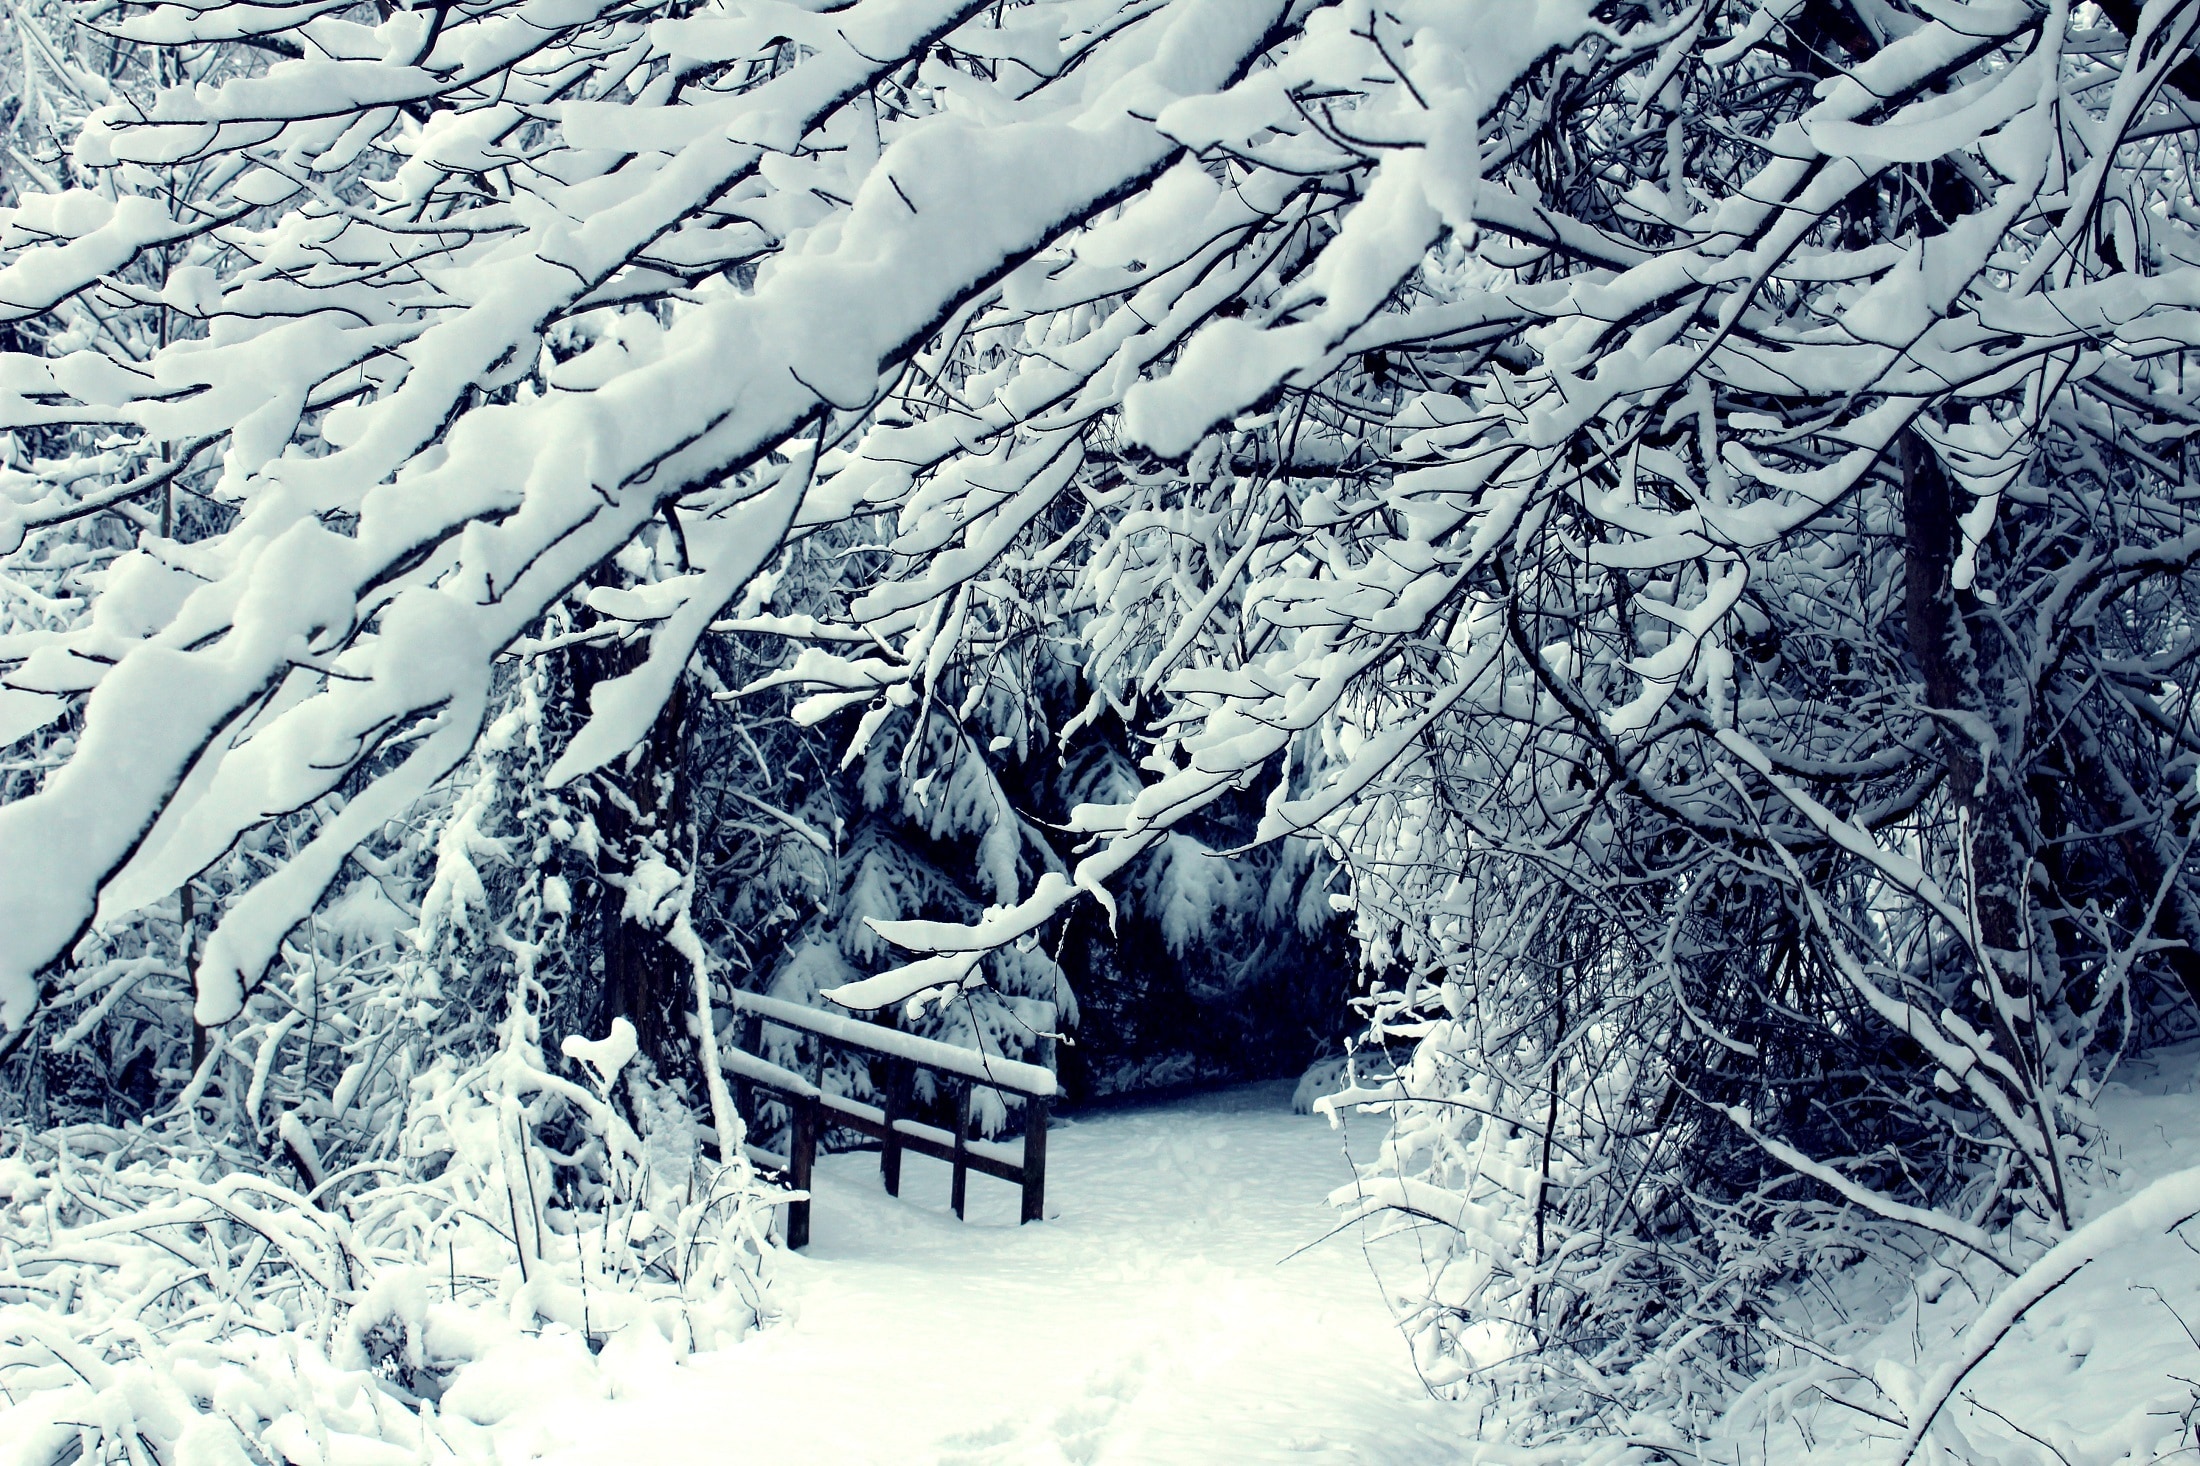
(1323, 1078)
(2090, 1358)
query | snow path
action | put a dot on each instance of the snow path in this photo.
(1147, 1320)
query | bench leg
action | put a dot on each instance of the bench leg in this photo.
(802, 1133)
(889, 1156)
(1035, 1159)
(749, 1039)
(960, 1187)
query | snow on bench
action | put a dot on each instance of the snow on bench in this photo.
(1000, 1073)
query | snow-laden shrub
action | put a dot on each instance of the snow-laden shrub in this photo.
(1320, 1080)
(161, 1293)
(372, 1207)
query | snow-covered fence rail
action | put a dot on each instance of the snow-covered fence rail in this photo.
(962, 1069)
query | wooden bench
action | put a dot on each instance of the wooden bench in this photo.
(811, 1108)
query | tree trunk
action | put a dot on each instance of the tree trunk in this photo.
(643, 811)
(1978, 747)
(1963, 661)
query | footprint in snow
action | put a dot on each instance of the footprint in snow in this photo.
(1074, 1434)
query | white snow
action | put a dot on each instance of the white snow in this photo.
(933, 1054)
(607, 1055)
(1159, 1315)
(2097, 1369)
(1151, 1318)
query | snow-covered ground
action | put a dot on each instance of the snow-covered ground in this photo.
(1152, 1318)
(1160, 1315)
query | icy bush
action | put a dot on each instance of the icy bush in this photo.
(160, 1293)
